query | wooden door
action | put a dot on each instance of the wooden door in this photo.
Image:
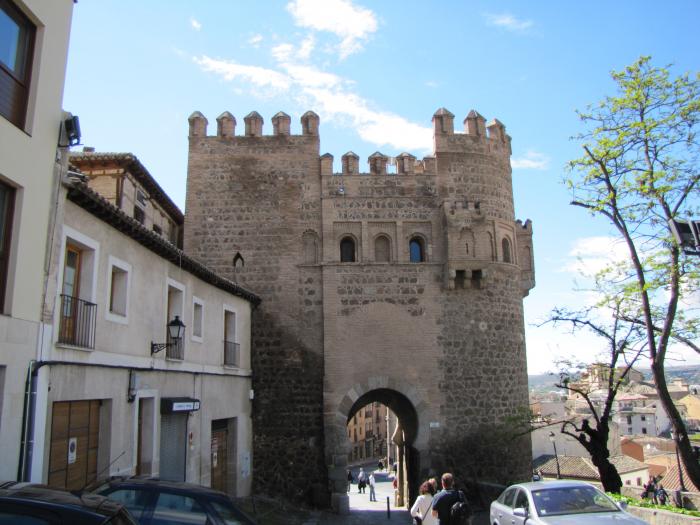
(219, 457)
(74, 443)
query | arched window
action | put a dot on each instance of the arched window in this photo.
(416, 250)
(382, 249)
(238, 261)
(505, 246)
(347, 250)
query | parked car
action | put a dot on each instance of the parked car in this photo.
(155, 502)
(30, 504)
(558, 502)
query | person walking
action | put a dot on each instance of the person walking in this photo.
(443, 503)
(350, 480)
(421, 512)
(650, 490)
(361, 481)
(372, 494)
(661, 494)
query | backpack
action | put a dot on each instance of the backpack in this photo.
(460, 512)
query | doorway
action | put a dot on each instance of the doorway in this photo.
(75, 429)
(173, 446)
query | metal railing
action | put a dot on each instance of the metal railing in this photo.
(77, 323)
(176, 348)
(231, 353)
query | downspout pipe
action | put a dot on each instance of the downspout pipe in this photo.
(26, 449)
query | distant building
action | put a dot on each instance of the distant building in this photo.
(369, 431)
(122, 180)
(691, 404)
(631, 471)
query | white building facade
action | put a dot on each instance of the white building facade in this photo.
(34, 39)
(108, 397)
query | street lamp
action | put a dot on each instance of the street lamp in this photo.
(687, 234)
(674, 435)
(556, 456)
(176, 329)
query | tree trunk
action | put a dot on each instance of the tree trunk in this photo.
(609, 476)
(597, 447)
(692, 467)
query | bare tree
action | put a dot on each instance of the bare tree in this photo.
(624, 345)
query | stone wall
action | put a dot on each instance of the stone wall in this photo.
(253, 197)
(444, 335)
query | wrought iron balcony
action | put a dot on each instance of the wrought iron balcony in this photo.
(176, 347)
(77, 322)
(232, 353)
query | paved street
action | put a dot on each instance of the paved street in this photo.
(365, 512)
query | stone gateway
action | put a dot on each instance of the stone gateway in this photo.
(403, 285)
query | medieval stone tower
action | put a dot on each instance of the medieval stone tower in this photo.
(403, 287)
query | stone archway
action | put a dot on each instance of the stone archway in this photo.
(405, 402)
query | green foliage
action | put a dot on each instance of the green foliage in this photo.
(641, 169)
(648, 504)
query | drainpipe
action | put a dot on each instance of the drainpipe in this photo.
(26, 448)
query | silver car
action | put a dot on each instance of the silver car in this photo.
(557, 503)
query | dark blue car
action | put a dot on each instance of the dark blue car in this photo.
(156, 502)
(29, 504)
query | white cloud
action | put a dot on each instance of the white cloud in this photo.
(352, 24)
(377, 127)
(261, 77)
(196, 25)
(306, 47)
(282, 52)
(431, 84)
(589, 255)
(255, 40)
(508, 22)
(329, 95)
(530, 161)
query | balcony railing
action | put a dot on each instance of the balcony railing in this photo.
(77, 323)
(232, 352)
(176, 350)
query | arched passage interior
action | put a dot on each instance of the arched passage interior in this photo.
(408, 459)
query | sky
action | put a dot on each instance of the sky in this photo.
(375, 72)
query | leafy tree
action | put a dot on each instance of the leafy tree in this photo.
(639, 171)
(625, 343)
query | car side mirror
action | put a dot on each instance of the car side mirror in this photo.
(622, 504)
(520, 512)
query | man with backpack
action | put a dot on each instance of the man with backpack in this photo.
(450, 506)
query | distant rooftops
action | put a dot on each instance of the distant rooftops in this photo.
(89, 160)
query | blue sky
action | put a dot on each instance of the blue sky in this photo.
(376, 72)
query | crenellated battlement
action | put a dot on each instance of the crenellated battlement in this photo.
(478, 137)
(254, 124)
(488, 136)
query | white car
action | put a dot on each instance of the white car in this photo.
(558, 503)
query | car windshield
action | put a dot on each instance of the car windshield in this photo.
(571, 500)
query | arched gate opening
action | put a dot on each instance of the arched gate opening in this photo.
(401, 436)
